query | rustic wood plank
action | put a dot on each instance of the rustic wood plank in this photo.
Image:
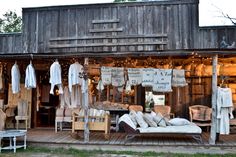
(101, 44)
(105, 21)
(106, 30)
(110, 37)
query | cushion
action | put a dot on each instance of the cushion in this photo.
(159, 119)
(126, 118)
(149, 119)
(141, 122)
(198, 114)
(133, 115)
(179, 121)
(208, 114)
(153, 114)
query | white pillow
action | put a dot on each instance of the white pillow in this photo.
(159, 119)
(149, 119)
(141, 122)
(153, 114)
(179, 121)
(133, 115)
(126, 118)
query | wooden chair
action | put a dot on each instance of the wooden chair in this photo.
(22, 114)
(164, 110)
(200, 115)
(2, 120)
(136, 108)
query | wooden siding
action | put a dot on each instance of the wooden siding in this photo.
(10, 43)
(210, 37)
(114, 27)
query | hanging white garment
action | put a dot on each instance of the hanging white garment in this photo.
(147, 77)
(76, 96)
(100, 86)
(106, 75)
(65, 98)
(55, 77)
(178, 78)
(75, 75)
(135, 76)
(1, 81)
(162, 80)
(30, 77)
(128, 87)
(224, 110)
(15, 78)
(117, 77)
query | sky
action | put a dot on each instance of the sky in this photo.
(210, 11)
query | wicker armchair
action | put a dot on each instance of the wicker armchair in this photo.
(200, 115)
(136, 108)
(164, 110)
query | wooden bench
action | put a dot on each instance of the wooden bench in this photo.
(95, 123)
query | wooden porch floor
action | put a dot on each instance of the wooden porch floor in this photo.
(97, 138)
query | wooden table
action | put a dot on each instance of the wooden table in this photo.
(12, 134)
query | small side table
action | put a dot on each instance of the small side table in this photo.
(12, 134)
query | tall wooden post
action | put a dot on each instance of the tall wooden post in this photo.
(85, 102)
(212, 138)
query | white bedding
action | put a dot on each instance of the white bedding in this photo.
(192, 128)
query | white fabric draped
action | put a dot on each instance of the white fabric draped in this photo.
(147, 77)
(224, 110)
(30, 77)
(162, 80)
(106, 75)
(15, 78)
(55, 77)
(178, 78)
(75, 75)
(134, 76)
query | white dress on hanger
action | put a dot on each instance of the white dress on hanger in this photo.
(55, 77)
(15, 78)
(224, 110)
(30, 77)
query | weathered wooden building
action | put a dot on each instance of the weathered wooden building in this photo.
(167, 32)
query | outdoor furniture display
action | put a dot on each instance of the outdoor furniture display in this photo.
(200, 115)
(164, 110)
(22, 113)
(12, 135)
(136, 108)
(99, 120)
(132, 131)
(62, 115)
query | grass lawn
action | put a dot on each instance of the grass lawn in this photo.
(62, 152)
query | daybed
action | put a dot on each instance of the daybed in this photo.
(129, 127)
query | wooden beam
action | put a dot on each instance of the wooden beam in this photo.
(105, 21)
(107, 44)
(108, 37)
(212, 137)
(106, 30)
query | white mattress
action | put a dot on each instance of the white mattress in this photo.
(192, 128)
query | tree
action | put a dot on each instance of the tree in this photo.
(10, 22)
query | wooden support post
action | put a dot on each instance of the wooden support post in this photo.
(85, 98)
(212, 138)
